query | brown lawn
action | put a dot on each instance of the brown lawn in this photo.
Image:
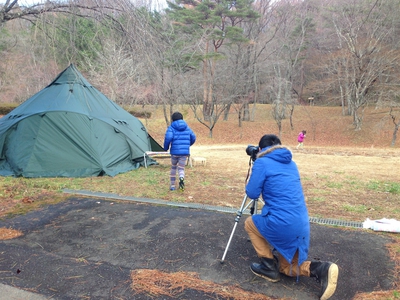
(339, 166)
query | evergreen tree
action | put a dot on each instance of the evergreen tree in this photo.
(211, 24)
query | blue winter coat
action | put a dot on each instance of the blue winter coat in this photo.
(283, 221)
(178, 138)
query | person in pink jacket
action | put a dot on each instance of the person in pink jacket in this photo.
(300, 139)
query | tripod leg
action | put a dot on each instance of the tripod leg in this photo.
(229, 242)
(237, 219)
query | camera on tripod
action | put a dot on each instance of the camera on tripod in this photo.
(252, 151)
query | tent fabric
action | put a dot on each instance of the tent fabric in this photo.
(70, 129)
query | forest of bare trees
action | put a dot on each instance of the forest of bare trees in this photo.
(216, 56)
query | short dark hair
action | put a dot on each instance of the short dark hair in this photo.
(176, 116)
(269, 140)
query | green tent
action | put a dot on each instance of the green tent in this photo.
(70, 129)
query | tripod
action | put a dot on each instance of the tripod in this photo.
(253, 209)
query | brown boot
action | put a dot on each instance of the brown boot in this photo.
(268, 269)
(327, 274)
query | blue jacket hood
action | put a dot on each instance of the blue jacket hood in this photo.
(179, 125)
(278, 153)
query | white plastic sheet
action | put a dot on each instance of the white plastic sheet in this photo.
(388, 225)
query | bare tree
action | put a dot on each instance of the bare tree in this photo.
(396, 122)
(284, 68)
(247, 61)
(30, 43)
(364, 29)
(11, 10)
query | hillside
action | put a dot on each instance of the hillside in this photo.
(325, 127)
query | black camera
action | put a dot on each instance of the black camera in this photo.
(252, 151)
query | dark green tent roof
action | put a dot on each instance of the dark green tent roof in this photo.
(71, 129)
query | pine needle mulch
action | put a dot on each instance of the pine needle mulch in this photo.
(8, 233)
(156, 283)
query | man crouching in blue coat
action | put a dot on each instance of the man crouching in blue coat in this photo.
(283, 224)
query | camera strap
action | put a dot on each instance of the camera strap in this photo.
(248, 171)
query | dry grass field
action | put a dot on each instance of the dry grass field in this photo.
(346, 174)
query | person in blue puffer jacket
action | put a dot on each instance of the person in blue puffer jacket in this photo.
(283, 224)
(178, 139)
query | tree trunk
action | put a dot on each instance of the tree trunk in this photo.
(226, 112)
(291, 117)
(206, 103)
(246, 112)
(396, 128)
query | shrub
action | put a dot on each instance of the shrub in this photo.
(6, 108)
